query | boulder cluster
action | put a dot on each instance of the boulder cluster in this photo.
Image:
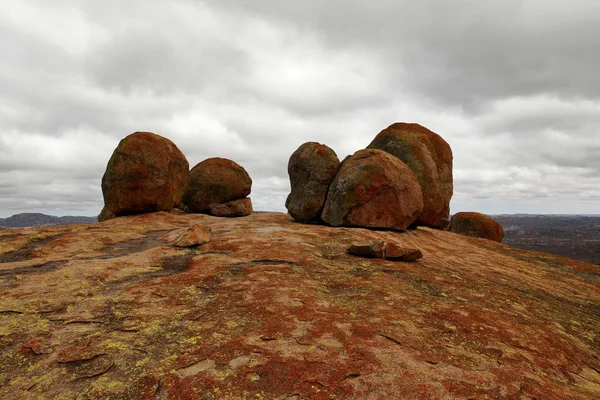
(402, 179)
(148, 173)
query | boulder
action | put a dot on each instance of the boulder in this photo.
(430, 158)
(146, 173)
(373, 189)
(216, 180)
(188, 237)
(311, 169)
(477, 225)
(235, 208)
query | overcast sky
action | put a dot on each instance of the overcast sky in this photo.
(512, 85)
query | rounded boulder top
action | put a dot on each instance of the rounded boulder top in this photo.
(146, 173)
(311, 168)
(215, 181)
(476, 225)
(430, 158)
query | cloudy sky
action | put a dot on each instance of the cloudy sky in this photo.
(512, 85)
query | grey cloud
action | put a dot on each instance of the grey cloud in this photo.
(512, 86)
(462, 53)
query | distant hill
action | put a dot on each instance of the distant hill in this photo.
(25, 220)
(574, 236)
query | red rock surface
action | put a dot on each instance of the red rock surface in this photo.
(430, 158)
(373, 189)
(216, 180)
(311, 168)
(146, 173)
(274, 309)
(477, 225)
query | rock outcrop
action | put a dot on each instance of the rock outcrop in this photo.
(311, 168)
(477, 225)
(373, 189)
(146, 173)
(216, 180)
(273, 309)
(430, 158)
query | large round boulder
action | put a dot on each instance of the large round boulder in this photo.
(311, 168)
(146, 173)
(373, 189)
(430, 158)
(477, 225)
(216, 180)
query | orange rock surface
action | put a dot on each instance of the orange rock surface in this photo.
(273, 309)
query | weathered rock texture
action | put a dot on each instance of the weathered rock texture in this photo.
(430, 158)
(477, 225)
(389, 251)
(373, 189)
(216, 180)
(394, 252)
(369, 250)
(146, 173)
(235, 208)
(270, 308)
(311, 169)
(105, 215)
(188, 237)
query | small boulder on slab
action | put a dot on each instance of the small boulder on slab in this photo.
(394, 252)
(372, 250)
(388, 251)
(311, 168)
(235, 208)
(189, 237)
(373, 189)
(476, 225)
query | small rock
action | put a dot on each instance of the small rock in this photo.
(389, 251)
(393, 252)
(235, 208)
(177, 211)
(373, 250)
(188, 237)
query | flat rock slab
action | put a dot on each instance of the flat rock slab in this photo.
(273, 309)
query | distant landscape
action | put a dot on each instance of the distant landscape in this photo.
(25, 220)
(574, 236)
